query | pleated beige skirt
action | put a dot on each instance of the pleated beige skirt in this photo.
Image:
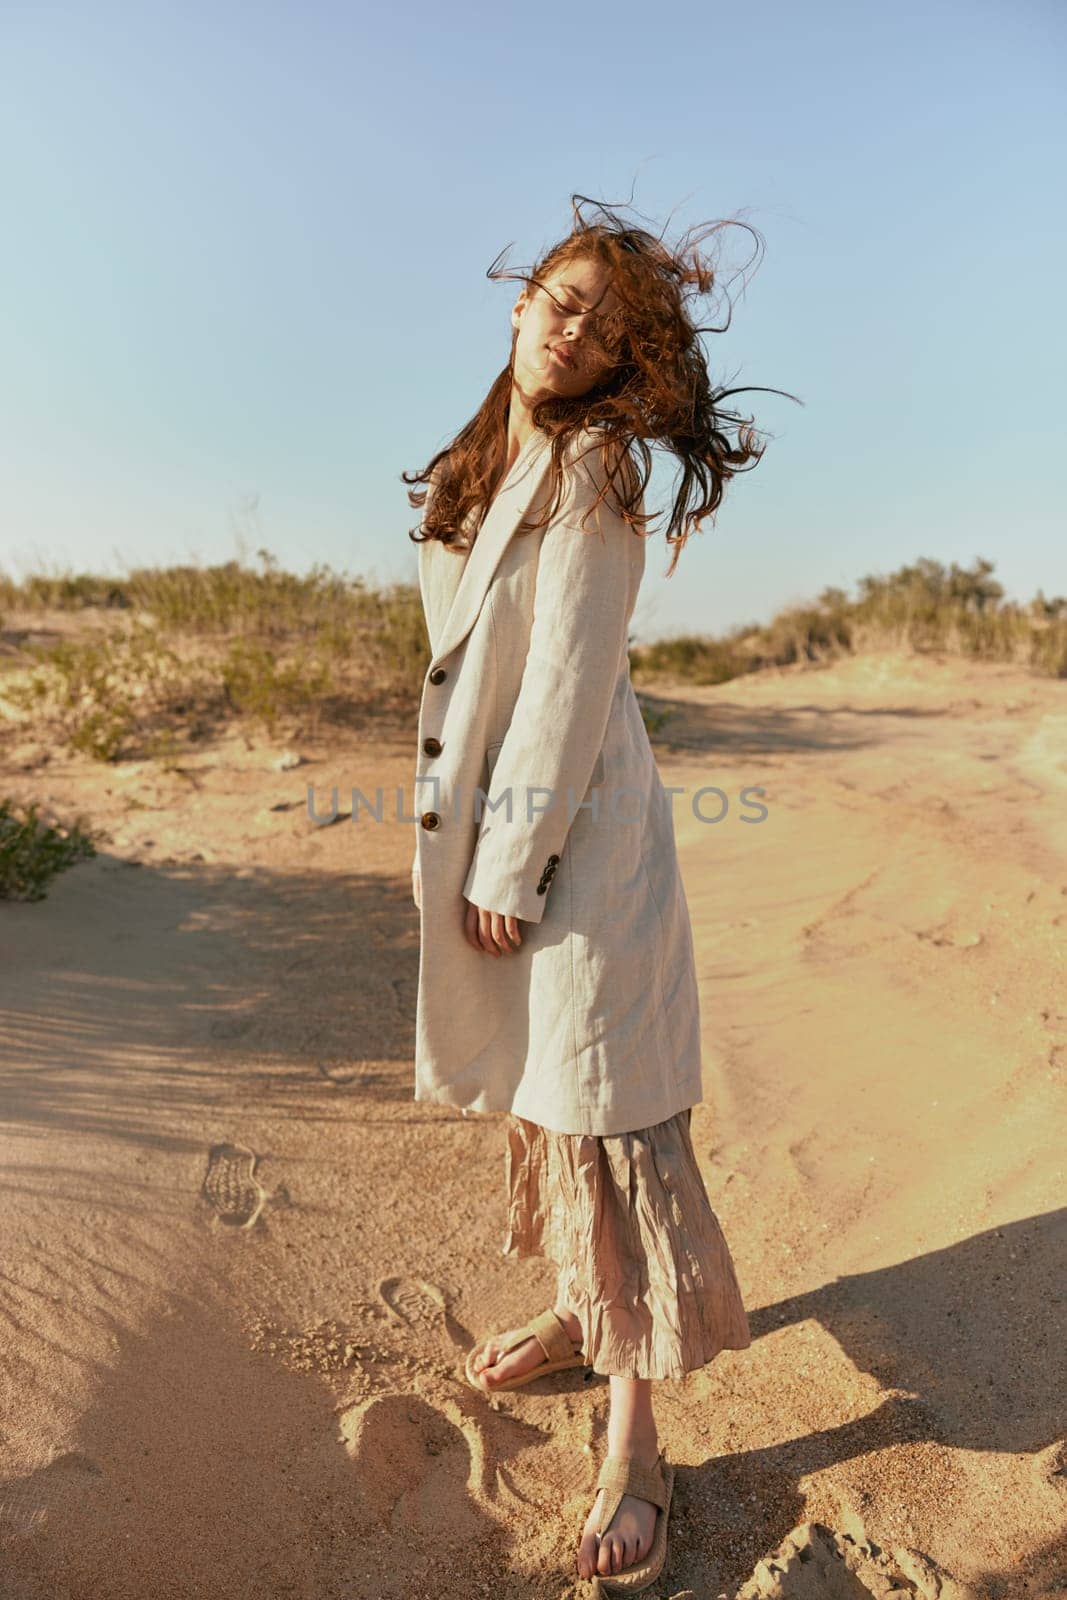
(642, 1261)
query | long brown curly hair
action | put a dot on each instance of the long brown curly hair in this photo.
(657, 390)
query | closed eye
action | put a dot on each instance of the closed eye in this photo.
(571, 311)
(607, 334)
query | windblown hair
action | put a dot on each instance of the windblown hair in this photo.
(656, 391)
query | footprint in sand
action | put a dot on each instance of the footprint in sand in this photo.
(27, 1502)
(430, 1470)
(334, 1073)
(231, 1187)
(230, 1027)
(422, 1308)
(416, 1303)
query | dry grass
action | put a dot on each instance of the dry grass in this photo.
(142, 665)
(167, 656)
(923, 607)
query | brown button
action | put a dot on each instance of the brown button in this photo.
(432, 746)
(553, 861)
(541, 888)
(430, 819)
(438, 675)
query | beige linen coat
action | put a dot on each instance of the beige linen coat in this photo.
(593, 1025)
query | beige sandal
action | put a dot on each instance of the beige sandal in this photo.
(621, 1475)
(560, 1350)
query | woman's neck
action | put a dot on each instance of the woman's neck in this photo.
(520, 424)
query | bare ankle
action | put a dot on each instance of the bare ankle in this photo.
(634, 1436)
(644, 1451)
(569, 1320)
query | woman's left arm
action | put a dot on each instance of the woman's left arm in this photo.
(586, 582)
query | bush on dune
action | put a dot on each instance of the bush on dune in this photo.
(189, 650)
(921, 607)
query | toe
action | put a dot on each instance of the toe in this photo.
(487, 1357)
(587, 1554)
(479, 1370)
(607, 1561)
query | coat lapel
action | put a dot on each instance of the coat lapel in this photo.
(510, 505)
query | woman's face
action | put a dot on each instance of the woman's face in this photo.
(563, 312)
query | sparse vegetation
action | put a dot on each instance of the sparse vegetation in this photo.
(97, 690)
(190, 649)
(196, 648)
(257, 684)
(923, 607)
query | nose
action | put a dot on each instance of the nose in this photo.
(584, 328)
(576, 331)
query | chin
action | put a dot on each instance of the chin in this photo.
(562, 377)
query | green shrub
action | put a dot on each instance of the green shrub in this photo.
(32, 851)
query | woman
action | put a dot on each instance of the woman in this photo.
(545, 843)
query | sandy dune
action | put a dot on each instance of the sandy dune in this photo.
(240, 1269)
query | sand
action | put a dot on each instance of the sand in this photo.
(241, 1268)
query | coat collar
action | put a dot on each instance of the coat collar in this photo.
(510, 505)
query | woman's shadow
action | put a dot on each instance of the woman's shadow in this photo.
(974, 1334)
(975, 1331)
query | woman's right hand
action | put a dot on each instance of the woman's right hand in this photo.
(490, 931)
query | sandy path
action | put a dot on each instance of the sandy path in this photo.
(240, 1268)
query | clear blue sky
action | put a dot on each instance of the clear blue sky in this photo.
(244, 285)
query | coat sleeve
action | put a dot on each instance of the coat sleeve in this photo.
(582, 605)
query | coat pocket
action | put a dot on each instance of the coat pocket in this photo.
(598, 765)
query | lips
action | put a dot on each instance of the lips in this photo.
(562, 355)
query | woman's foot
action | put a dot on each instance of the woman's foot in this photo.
(629, 1535)
(525, 1356)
